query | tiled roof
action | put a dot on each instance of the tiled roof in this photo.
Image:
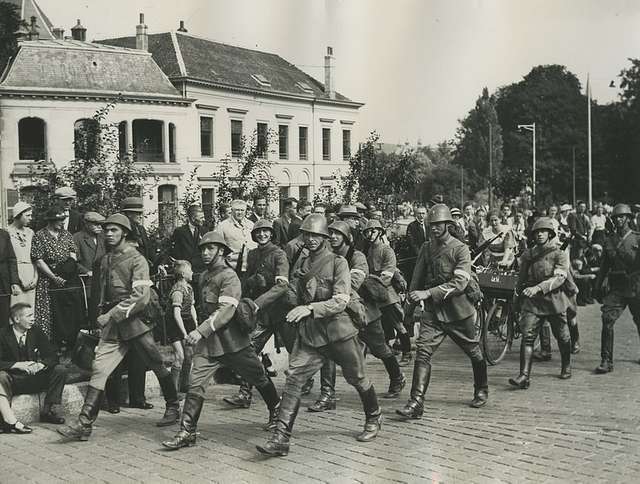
(28, 9)
(227, 65)
(74, 66)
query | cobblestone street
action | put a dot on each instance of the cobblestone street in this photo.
(584, 429)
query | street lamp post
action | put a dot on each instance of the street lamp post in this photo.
(532, 127)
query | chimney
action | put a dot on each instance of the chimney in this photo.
(78, 32)
(142, 40)
(58, 33)
(33, 29)
(329, 68)
(182, 28)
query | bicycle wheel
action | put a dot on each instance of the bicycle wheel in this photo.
(497, 333)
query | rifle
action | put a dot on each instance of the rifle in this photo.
(239, 263)
(480, 249)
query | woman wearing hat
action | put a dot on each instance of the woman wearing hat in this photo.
(52, 247)
(21, 236)
(501, 250)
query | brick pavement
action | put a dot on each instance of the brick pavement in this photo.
(583, 429)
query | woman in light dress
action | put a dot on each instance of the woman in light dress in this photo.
(21, 236)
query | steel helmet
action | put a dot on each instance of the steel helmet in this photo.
(343, 228)
(214, 238)
(315, 223)
(118, 219)
(621, 209)
(348, 211)
(440, 213)
(544, 223)
(263, 223)
(374, 224)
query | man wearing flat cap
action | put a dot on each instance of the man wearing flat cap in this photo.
(90, 242)
(67, 198)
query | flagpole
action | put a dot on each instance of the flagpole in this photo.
(589, 142)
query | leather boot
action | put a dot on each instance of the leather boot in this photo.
(327, 400)
(565, 356)
(545, 344)
(172, 405)
(373, 416)
(405, 344)
(242, 399)
(415, 406)
(397, 380)
(575, 337)
(278, 443)
(271, 399)
(606, 351)
(185, 372)
(186, 437)
(175, 376)
(89, 413)
(522, 380)
(480, 384)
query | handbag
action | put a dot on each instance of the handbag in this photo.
(84, 351)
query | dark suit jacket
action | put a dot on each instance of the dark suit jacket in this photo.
(89, 252)
(416, 236)
(294, 227)
(144, 244)
(281, 232)
(38, 348)
(8, 263)
(184, 246)
(75, 221)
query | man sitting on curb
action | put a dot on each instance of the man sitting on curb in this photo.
(28, 364)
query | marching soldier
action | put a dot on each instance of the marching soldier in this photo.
(266, 282)
(621, 265)
(542, 297)
(124, 292)
(371, 333)
(440, 279)
(219, 340)
(319, 290)
(382, 263)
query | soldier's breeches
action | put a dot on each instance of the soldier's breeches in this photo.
(614, 305)
(373, 336)
(465, 333)
(244, 362)
(530, 327)
(306, 360)
(260, 336)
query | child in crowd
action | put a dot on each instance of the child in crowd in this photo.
(583, 277)
(181, 320)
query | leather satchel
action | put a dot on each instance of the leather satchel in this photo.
(84, 351)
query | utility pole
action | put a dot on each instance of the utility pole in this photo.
(461, 187)
(574, 176)
(490, 168)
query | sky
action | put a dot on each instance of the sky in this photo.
(418, 65)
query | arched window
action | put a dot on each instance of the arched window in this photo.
(86, 136)
(31, 139)
(167, 209)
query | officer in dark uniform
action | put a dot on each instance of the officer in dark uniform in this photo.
(124, 294)
(382, 263)
(541, 297)
(220, 341)
(621, 266)
(440, 279)
(371, 333)
(319, 290)
(265, 283)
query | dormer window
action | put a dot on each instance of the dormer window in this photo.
(260, 79)
(304, 87)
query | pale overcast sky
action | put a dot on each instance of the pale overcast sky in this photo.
(419, 65)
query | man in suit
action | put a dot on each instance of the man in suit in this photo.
(259, 209)
(28, 364)
(304, 208)
(184, 241)
(580, 227)
(417, 230)
(9, 280)
(67, 198)
(281, 224)
(90, 242)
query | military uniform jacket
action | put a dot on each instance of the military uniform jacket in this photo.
(124, 292)
(546, 267)
(220, 293)
(359, 270)
(267, 277)
(621, 264)
(327, 292)
(445, 270)
(382, 262)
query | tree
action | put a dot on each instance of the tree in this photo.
(479, 138)
(10, 22)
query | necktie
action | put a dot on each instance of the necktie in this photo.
(22, 340)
